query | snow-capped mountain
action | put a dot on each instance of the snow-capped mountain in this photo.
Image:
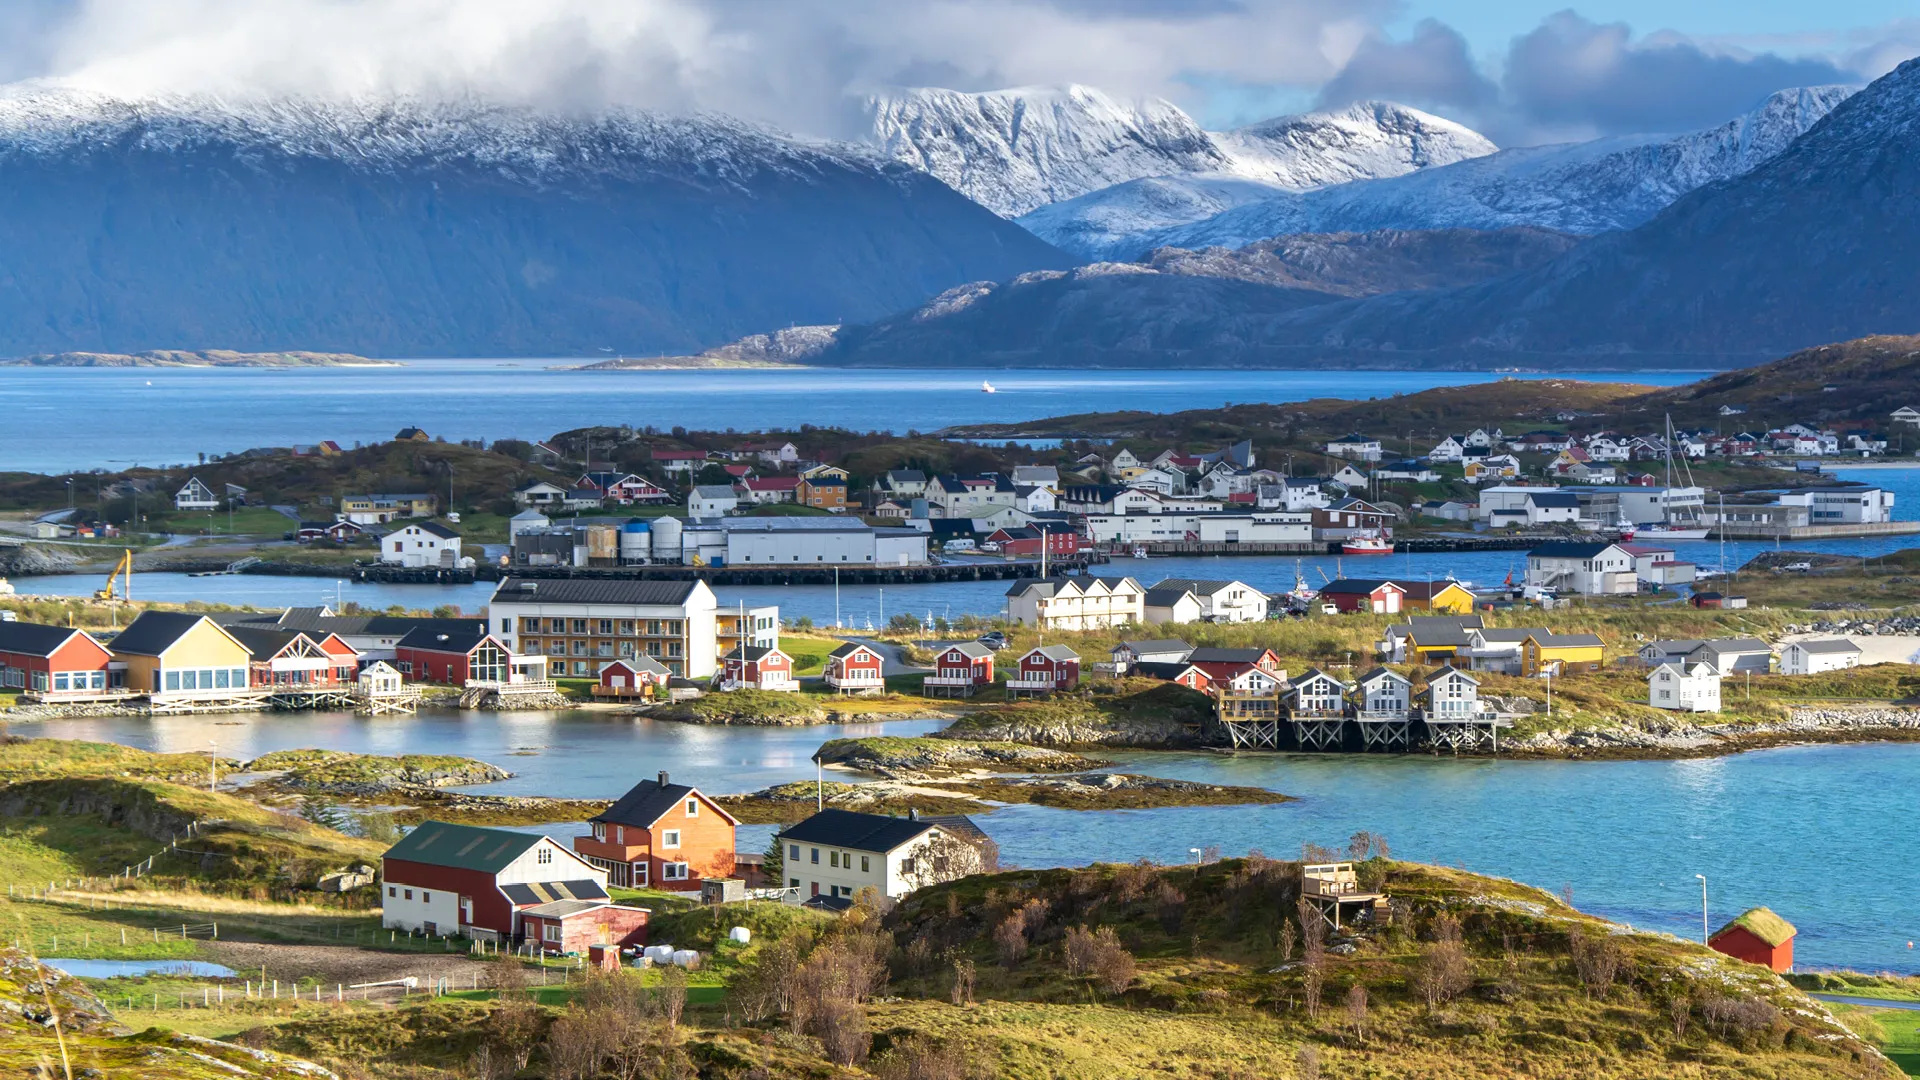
(404, 227)
(1591, 187)
(1015, 150)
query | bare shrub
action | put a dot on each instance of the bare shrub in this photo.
(1130, 883)
(1033, 916)
(918, 1057)
(1313, 955)
(1732, 1017)
(511, 1031)
(670, 998)
(1289, 937)
(766, 987)
(1444, 970)
(842, 1029)
(1314, 853)
(1010, 939)
(1170, 907)
(1680, 1011)
(1098, 955)
(962, 981)
(1357, 1013)
(918, 955)
(1308, 1063)
(1596, 960)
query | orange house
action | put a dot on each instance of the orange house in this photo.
(825, 492)
(1759, 937)
(660, 835)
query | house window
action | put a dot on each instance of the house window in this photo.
(670, 838)
(793, 851)
(815, 855)
(552, 931)
(833, 859)
(693, 807)
(391, 891)
(409, 895)
(863, 864)
(673, 871)
(599, 830)
(426, 898)
(543, 856)
(639, 875)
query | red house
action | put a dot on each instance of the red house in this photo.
(1174, 671)
(1045, 669)
(562, 927)
(54, 663)
(961, 669)
(465, 880)
(855, 668)
(1758, 937)
(453, 657)
(622, 488)
(757, 667)
(1360, 595)
(1058, 537)
(289, 658)
(637, 676)
(1222, 665)
(661, 835)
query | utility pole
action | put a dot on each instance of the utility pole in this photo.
(1703, 907)
(213, 765)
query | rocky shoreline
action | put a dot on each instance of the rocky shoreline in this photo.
(1687, 739)
(918, 758)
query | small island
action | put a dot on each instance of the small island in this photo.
(202, 358)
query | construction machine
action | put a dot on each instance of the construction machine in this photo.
(122, 573)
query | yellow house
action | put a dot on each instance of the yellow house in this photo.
(825, 472)
(380, 509)
(1436, 597)
(177, 656)
(1561, 652)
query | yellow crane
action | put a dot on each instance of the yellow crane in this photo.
(122, 573)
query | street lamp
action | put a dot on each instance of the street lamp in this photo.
(1703, 907)
(1195, 852)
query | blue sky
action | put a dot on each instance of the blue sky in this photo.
(1489, 24)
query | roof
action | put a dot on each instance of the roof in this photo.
(585, 591)
(1566, 641)
(1380, 673)
(959, 825)
(311, 621)
(546, 892)
(561, 909)
(461, 640)
(154, 632)
(433, 528)
(713, 491)
(1165, 598)
(1049, 586)
(971, 648)
(1054, 652)
(1226, 656)
(1567, 550)
(1427, 590)
(1202, 586)
(1167, 670)
(463, 847)
(750, 653)
(1763, 924)
(1737, 644)
(642, 665)
(646, 801)
(1827, 645)
(823, 902)
(1156, 645)
(263, 642)
(906, 476)
(1449, 671)
(33, 639)
(1558, 499)
(852, 647)
(852, 829)
(1356, 586)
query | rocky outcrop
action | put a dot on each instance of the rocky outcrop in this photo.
(907, 758)
(1690, 738)
(28, 560)
(1066, 730)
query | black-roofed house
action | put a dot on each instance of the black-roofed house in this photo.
(837, 853)
(856, 668)
(1205, 600)
(757, 667)
(464, 880)
(460, 656)
(661, 835)
(182, 659)
(55, 663)
(1148, 651)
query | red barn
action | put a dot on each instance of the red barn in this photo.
(1174, 671)
(465, 880)
(1351, 595)
(757, 667)
(1045, 669)
(1758, 937)
(854, 667)
(1058, 537)
(53, 663)
(453, 656)
(959, 670)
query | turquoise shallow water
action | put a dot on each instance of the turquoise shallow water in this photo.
(1825, 835)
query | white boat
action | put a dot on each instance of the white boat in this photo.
(1139, 553)
(1367, 544)
(987, 387)
(1667, 532)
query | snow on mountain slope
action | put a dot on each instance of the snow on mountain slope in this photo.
(1015, 150)
(407, 227)
(1363, 141)
(1590, 187)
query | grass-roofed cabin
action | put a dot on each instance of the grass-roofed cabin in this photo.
(1757, 936)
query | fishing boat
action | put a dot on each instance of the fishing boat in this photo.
(1625, 530)
(1366, 544)
(987, 387)
(1139, 553)
(1668, 532)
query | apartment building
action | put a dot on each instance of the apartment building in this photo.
(581, 626)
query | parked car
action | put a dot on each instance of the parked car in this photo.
(994, 640)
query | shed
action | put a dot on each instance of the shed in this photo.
(1757, 936)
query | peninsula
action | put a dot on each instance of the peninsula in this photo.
(197, 358)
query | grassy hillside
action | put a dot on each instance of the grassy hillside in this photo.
(1861, 380)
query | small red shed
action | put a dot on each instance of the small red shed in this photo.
(631, 677)
(1044, 669)
(1362, 595)
(1759, 937)
(1177, 671)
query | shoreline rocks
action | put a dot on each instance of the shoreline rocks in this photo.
(1701, 739)
(904, 758)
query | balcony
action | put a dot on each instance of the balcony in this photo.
(854, 681)
(1044, 682)
(951, 680)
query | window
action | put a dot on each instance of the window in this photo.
(793, 883)
(670, 838)
(693, 807)
(863, 864)
(409, 895)
(506, 626)
(552, 931)
(815, 855)
(579, 626)
(391, 891)
(543, 856)
(833, 859)
(426, 898)
(793, 851)
(673, 871)
(599, 830)
(173, 680)
(619, 834)
(639, 874)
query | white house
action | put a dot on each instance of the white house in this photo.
(837, 853)
(1684, 687)
(421, 543)
(1815, 655)
(1317, 693)
(539, 493)
(1408, 470)
(712, 500)
(1842, 505)
(1046, 476)
(1356, 446)
(1383, 693)
(1907, 414)
(1447, 449)
(195, 496)
(1077, 603)
(1214, 601)
(1450, 694)
(1348, 476)
(1595, 569)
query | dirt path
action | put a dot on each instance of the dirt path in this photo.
(340, 963)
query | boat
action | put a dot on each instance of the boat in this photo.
(1367, 544)
(987, 387)
(1139, 553)
(1668, 532)
(1625, 530)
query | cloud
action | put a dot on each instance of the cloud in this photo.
(793, 62)
(1570, 72)
(1433, 69)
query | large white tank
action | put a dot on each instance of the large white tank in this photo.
(636, 542)
(666, 539)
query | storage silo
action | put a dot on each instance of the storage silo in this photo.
(636, 542)
(666, 539)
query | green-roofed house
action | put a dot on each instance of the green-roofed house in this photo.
(468, 881)
(1758, 936)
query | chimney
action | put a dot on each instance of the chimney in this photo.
(663, 778)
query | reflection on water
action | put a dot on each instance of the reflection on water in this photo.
(1821, 834)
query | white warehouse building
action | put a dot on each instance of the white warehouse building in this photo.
(799, 542)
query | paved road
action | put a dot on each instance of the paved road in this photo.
(892, 657)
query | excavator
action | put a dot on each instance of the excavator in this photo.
(122, 573)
